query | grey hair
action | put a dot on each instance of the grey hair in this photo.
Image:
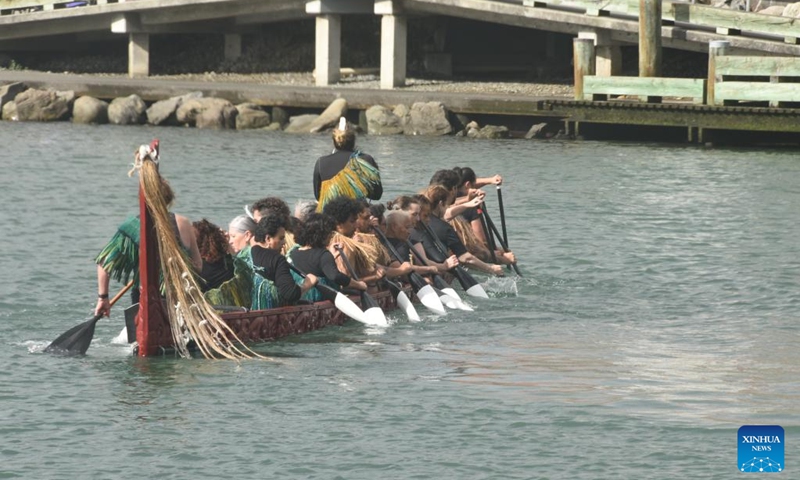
(394, 217)
(303, 208)
(242, 224)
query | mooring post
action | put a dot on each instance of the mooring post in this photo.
(583, 59)
(650, 41)
(716, 49)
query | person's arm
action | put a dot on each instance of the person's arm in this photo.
(376, 192)
(186, 232)
(308, 283)
(333, 274)
(103, 306)
(475, 262)
(483, 181)
(288, 291)
(317, 180)
(455, 210)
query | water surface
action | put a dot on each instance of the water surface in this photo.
(658, 313)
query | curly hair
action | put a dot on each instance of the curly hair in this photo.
(210, 240)
(272, 205)
(268, 227)
(316, 231)
(342, 208)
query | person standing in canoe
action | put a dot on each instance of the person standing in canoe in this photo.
(119, 259)
(346, 172)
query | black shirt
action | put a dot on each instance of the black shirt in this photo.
(446, 235)
(328, 166)
(216, 273)
(276, 268)
(319, 262)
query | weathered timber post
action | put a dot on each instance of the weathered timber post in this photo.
(583, 59)
(716, 48)
(649, 38)
(650, 42)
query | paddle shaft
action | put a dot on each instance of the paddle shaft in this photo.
(465, 279)
(502, 242)
(416, 281)
(319, 286)
(120, 294)
(366, 298)
(488, 235)
(502, 215)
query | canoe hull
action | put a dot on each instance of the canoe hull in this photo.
(273, 324)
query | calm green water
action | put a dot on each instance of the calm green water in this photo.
(658, 314)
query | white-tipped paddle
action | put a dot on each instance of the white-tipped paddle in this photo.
(340, 300)
(372, 311)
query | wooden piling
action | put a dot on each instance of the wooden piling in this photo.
(649, 38)
(715, 49)
(583, 59)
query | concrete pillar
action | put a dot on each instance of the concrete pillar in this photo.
(393, 51)
(138, 55)
(328, 59)
(233, 46)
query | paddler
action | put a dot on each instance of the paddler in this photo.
(347, 171)
(119, 259)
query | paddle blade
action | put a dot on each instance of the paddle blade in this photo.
(375, 317)
(74, 341)
(405, 304)
(461, 304)
(349, 307)
(477, 291)
(448, 301)
(427, 295)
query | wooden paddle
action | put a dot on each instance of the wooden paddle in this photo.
(77, 339)
(467, 281)
(424, 292)
(339, 300)
(372, 311)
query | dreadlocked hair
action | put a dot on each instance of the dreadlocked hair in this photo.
(190, 315)
(467, 235)
(361, 255)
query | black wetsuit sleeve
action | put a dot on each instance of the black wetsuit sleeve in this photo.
(317, 180)
(288, 290)
(377, 192)
(330, 270)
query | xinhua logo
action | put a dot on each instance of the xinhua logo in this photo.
(761, 448)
